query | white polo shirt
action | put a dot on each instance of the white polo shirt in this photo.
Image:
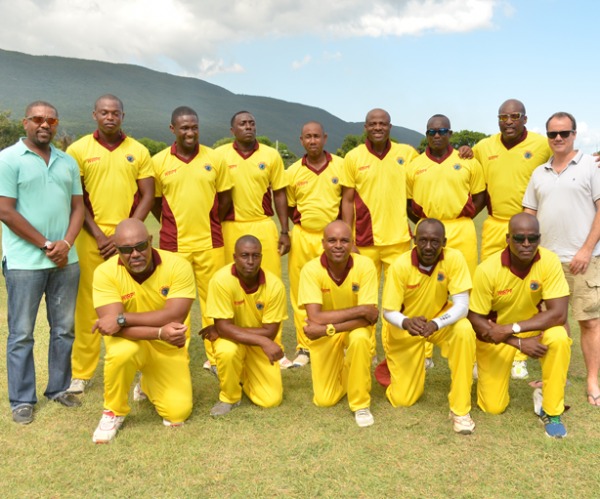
(565, 204)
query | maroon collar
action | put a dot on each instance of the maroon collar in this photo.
(388, 146)
(105, 145)
(261, 280)
(521, 139)
(414, 259)
(140, 278)
(439, 161)
(181, 158)
(244, 155)
(349, 265)
(506, 260)
(328, 159)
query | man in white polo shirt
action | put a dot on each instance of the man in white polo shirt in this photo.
(564, 194)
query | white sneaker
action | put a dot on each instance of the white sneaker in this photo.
(364, 417)
(374, 361)
(170, 424)
(475, 372)
(429, 363)
(285, 363)
(107, 428)
(463, 424)
(302, 358)
(206, 365)
(138, 394)
(79, 385)
(537, 401)
(519, 370)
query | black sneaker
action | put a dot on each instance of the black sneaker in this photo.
(23, 414)
(68, 400)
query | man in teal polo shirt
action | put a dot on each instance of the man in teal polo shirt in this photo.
(41, 209)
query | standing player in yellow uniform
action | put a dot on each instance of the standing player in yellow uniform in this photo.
(118, 183)
(508, 291)
(259, 179)
(339, 293)
(416, 305)
(314, 196)
(441, 185)
(193, 194)
(143, 298)
(248, 305)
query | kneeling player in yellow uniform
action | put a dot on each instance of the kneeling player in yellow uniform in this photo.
(415, 303)
(508, 291)
(248, 305)
(339, 293)
(143, 299)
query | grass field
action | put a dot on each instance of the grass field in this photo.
(297, 450)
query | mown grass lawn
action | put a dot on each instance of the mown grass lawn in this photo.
(297, 450)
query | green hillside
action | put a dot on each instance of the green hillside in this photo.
(73, 85)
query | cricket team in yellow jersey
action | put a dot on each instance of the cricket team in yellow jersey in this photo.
(350, 222)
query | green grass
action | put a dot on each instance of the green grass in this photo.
(297, 450)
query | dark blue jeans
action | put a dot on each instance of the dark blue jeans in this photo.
(25, 289)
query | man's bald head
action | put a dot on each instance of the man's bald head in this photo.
(312, 124)
(512, 106)
(130, 232)
(339, 227)
(247, 239)
(438, 121)
(378, 114)
(432, 223)
(523, 223)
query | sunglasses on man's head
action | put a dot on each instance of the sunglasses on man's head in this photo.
(127, 250)
(38, 120)
(512, 116)
(564, 134)
(520, 238)
(442, 131)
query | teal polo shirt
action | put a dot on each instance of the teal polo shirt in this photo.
(43, 193)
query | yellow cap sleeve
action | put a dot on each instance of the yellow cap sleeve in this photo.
(183, 283)
(219, 304)
(276, 305)
(309, 290)
(145, 169)
(224, 180)
(477, 180)
(555, 284)
(278, 179)
(394, 289)
(289, 190)
(459, 278)
(367, 292)
(348, 172)
(480, 300)
(156, 168)
(105, 290)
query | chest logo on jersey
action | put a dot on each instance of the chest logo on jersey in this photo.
(260, 305)
(261, 166)
(413, 286)
(304, 182)
(505, 292)
(363, 168)
(170, 172)
(534, 285)
(128, 296)
(130, 158)
(325, 291)
(232, 166)
(528, 155)
(165, 290)
(492, 157)
(400, 160)
(419, 172)
(355, 287)
(93, 160)
(441, 276)
(335, 180)
(457, 167)
(208, 168)
(238, 303)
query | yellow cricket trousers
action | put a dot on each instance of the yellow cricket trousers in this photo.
(306, 246)
(333, 375)
(383, 256)
(86, 347)
(166, 376)
(406, 361)
(461, 236)
(494, 363)
(205, 264)
(249, 367)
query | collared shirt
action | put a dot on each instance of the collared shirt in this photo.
(565, 204)
(43, 193)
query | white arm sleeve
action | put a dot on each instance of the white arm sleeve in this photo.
(394, 317)
(459, 310)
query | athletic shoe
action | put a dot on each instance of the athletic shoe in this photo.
(429, 363)
(214, 371)
(537, 401)
(519, 370)
(285, 363)
(463, 424)
(23, 414)
(553, 425)
(68, 400)
(302, 358)
(364, 417)
(222, 408)
(170, 424)
(374, 361)
(107, 428)
(138, 394)
(206, 365)
(475, 372)
(79, 385)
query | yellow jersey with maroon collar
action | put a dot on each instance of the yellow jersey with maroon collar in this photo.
(110, 175)
(358, 285)
(189, 187)
(507, 170)
(416, 292)
(316, 195)
(172, 277)
(229, 298)
(443, 188)
(507, 295)
(254, 176)
(380, 197)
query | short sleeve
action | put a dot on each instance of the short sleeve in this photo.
(394, 289)
(183, 284)
(278, 179)
(477, 179)
(105, 291)
(459, 278)
(10, 177)
(276, 308)
(309, 290)
(224, 180)
(595, 180)
(76, 188)
(367, 293)
(411, 154)
(555, 284)
(410, 182)
(289, 190)
(348, 172)
(156, 167)
(480, 300)
(530, 199)
(145, 170)
(219, 303)
(74, 153)
(477, 154)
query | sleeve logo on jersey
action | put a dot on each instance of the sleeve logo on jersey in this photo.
(335, 180)
(208, 168)
(260, 305)
(355, 287)
(528, 155)
(130, 158)
(400, 160)
(441, 276)
(534, 285)
(261, 166)
(457, 167)
(165, 290)
(128, 296)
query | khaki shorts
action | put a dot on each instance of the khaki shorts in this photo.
(585, 291)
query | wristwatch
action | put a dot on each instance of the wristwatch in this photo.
(330, 330)
(516, 328)
(46, 244)
(121, 321)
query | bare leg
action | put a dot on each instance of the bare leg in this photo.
(590, 346)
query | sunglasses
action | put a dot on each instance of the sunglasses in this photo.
(512, 116)
(442, 131)
(520, 238)
(564, 134)
(38, 120)
(139, 247)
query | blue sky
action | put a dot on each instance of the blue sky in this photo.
(414, 58)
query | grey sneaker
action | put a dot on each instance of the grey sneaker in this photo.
(23, 414)
(302, 358)
(79, 385)
(223, 408)
(214, 371)
(428, 363)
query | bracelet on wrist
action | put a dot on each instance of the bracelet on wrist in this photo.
(159, 331)
(520, 345)
(284, 232)
(67, 243)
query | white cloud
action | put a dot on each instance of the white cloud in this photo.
(327, 55)
(188, 36)
(303, 62)
(588, 139)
